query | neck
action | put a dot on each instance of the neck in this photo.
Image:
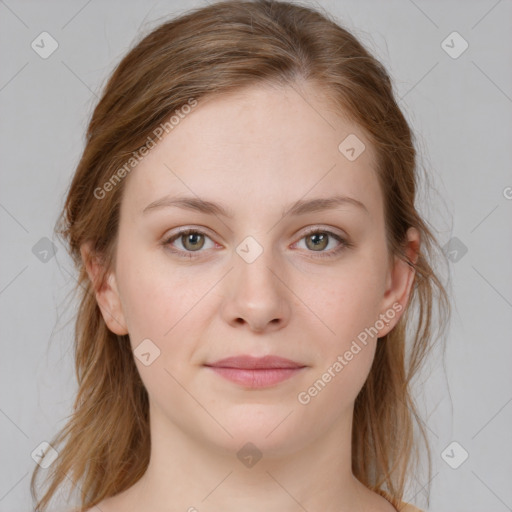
(186, 473)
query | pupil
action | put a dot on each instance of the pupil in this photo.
(192, 238)
(318, 239)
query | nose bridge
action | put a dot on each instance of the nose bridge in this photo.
(255, 266)
(256, 294)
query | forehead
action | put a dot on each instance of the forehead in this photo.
(261, 146)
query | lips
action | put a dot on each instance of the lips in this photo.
(256, 372)
(255, 363)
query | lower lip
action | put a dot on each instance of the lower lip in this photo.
(259, 378)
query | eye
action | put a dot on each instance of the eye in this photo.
(192, 240)
(318, 239)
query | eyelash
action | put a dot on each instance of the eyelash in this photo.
(312, 231)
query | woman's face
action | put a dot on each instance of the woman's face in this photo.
(251, 280)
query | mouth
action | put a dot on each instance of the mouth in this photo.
(256, 372)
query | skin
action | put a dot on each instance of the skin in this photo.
(255, 152)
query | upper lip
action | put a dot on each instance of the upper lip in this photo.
(253, 363)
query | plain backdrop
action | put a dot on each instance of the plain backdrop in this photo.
(459, 103)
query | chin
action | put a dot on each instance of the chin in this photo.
(271, 428)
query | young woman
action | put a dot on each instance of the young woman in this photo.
(256, 283)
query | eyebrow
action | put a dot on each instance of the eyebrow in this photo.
(300, 207)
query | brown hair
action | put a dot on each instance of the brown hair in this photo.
(205, 52)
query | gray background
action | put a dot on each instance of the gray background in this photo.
(460, 109)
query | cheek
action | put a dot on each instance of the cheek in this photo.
(154, 293)
(348, 302)
(349, 307)
(166, 304)
(332, 392)
(151, 303)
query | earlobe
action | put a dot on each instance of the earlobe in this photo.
(105, 290)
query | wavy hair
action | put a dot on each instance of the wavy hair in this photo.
(209, 51)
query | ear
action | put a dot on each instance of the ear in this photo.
(106, 292)
(399, 283)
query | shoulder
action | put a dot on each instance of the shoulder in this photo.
(107, 505)
(95, 508)
(406, 507)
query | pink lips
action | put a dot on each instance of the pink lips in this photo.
(256, 372)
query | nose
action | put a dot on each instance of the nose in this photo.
(256, 296)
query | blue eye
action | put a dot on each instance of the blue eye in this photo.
(193, 240)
